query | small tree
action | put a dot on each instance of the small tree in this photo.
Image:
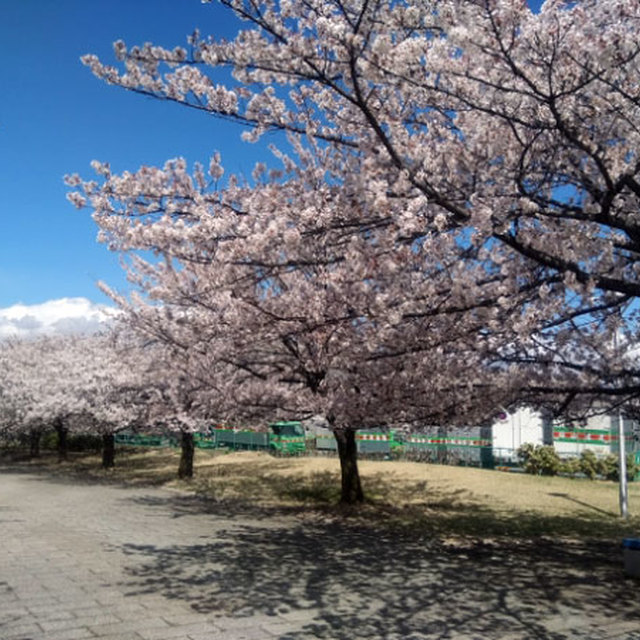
(589, 464)
(539, 459)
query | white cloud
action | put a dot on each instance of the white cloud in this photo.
(66, 315)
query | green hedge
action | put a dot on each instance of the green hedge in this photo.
(544, 461)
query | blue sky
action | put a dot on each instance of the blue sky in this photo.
(55, 117)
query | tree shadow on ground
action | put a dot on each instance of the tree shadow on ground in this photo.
(259, 490)
(343, 580)
(440, 513)
(413, 506)
(441, 566)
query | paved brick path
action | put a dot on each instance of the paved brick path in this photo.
(99, 561)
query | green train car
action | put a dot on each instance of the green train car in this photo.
(470, 446)
(368, 442)
(465, 445)
(146, 440)
(283, 438)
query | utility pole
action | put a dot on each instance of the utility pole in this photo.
(622, 466)
(623, 490)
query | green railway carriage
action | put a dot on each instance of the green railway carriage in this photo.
(599, 434)
(145, 440)
(583, 436)
(369, 442)
(287, 437)
(374, 441)
(471, 446)
(283, 438)
(236, 439)
(422, 440)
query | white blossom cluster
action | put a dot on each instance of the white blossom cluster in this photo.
(90, 383)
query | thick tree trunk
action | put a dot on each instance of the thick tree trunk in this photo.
(34, 443)
(351, 492)
(62, 431)
(186, 456)
(108, 451)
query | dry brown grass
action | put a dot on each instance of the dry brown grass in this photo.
(435, 499)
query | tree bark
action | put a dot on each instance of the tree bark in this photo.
(34, 443)
(185, 470)
(351, 488)
(62, 431)
(108, 451)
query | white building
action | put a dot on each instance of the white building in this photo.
(569, 437)
(597, 433)
(513, 429)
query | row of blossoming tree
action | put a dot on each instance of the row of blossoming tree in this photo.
(95, 385)
(449, 218)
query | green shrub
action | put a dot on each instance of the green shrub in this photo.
(589, 464)
(593, 467)
(571, 466)
(611, 468)
(539, 460)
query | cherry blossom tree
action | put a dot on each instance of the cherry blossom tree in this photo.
(459, 173)
(176, 406)
(274, 304)
(79, 384)
(119, 387)
(9, 403)
(520, 127)
(37, 378)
